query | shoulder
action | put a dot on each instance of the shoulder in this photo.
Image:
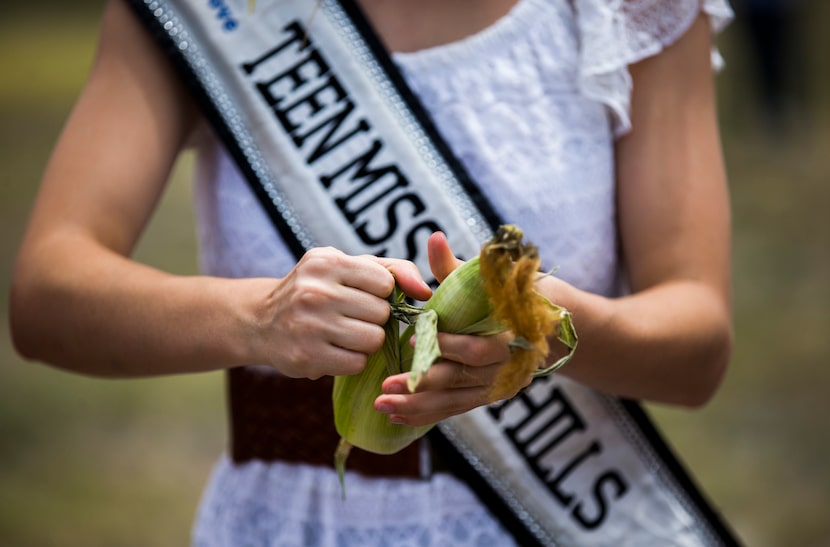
(617, 34)
(130, 66)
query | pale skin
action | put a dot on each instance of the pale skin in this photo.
(80, 303)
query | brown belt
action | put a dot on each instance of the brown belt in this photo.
(274, 418)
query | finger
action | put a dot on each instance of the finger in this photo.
(305, 337)
(320, 301)
(408, 276)
(444, 375)
(475, 351)
(430, 407)
(442, 261)
(338, 361)
(365, 274)
(330, 264)
(323, 359)
(362, 306)
(358, 336)
(448, 375)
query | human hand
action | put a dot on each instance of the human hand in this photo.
(327, 315)
(442, 261)
(461, 380)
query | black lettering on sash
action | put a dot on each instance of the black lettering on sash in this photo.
(326, 145)
(293, 76)
(313, 101)
(315, 111)
(296, 35)
(614, 480)
(556, 482)
(355, 203)
(533, 426)
(547, 425)
(418, 207)
(353, 210)
(411, 246)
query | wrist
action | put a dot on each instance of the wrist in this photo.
(250, 302)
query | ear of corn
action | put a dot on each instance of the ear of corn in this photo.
(458, 306)
(355, 418)
(488, 294)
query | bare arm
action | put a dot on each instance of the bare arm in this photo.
(80, 303)
(670, 340)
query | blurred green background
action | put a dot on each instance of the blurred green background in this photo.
(88, 462)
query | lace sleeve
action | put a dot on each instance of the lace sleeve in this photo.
(617, 33)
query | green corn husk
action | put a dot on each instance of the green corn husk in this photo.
(357, 422)
(459, 305)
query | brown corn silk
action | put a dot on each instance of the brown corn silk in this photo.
(509, 269)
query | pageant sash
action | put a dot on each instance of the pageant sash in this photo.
(340, 153)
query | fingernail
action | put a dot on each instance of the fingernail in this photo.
(397, 420)
(395, 389)
(385, 408)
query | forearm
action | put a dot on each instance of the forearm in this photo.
(671, 339)
(93, 311)
(670, 343)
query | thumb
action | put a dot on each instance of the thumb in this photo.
(442, 261)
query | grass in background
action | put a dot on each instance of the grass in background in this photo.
(122, 463)
(86, 461)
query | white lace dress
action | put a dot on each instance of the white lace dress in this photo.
(531, 106)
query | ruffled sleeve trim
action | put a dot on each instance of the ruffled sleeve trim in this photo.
(618, 33)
